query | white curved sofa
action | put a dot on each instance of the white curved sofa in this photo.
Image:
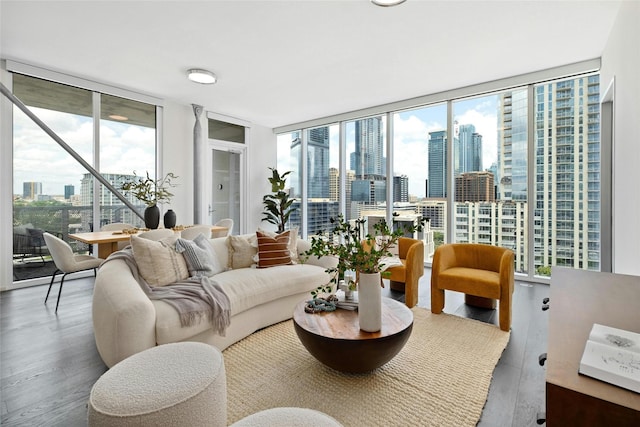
(126, 321)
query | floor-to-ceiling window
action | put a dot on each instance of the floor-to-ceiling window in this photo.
(419, 175)
(53, 192)
(518, 168)
(490, 172)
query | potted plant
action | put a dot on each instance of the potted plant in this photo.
(150, 192)
(277, 205)
(363, 253)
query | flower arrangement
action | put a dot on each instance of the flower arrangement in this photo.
(355, 250)
(150, 191)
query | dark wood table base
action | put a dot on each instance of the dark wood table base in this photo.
(336, 340)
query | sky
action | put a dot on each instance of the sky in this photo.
(411, 134)
(38, 158)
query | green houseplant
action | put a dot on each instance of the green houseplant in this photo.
(364, 254)
(356, 250)
(150, 192)
(277, 205)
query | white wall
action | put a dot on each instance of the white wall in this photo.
(262, 154)
(621, 59)
(177, 157)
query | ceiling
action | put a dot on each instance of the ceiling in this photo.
(283, 62)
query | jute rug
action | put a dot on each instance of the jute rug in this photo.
(440, 378)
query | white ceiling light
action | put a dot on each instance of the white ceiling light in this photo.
(387, 3)
(202, 76)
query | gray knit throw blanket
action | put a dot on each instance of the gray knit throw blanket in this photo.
(193, 298)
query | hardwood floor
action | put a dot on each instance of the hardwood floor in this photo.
(49, 362)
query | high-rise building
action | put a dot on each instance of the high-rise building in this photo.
(567, 212)
(318, 162)
(368, 191)
(512, 146)
(437, 178)
(401, 188)
(69, 190)
(334, 184)
(468, 150)
(475, 187)
(31, 190)
(368, 158)
(111, 208)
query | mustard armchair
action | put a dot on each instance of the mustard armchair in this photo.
(406, 277)
(483, 272)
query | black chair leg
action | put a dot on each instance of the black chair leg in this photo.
(60, 291)
(51, 284)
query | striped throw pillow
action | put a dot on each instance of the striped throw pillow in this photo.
(273, 251)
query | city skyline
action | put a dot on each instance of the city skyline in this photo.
(411, 129)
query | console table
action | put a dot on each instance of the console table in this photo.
(578, 299)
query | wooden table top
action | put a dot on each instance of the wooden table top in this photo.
(97, 237)
(343, 324)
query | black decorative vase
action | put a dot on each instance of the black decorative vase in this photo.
(152, 217)
(169, 219)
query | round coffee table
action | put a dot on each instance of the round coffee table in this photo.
(335, 339)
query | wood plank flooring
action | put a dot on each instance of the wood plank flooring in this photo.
(49, 362)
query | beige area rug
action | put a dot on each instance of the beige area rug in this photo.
(440, 378)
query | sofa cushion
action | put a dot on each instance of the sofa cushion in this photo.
(273, 251)
(158, 262)
(199, 256)
(241, 251)
(246, 288)
(293, 241)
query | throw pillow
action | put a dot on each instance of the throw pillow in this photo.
(199, 256)
(158, 262)
(273, 251)
(241, 251)
(293, 242)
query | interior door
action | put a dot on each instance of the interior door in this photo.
(226, 185)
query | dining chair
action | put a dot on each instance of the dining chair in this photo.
(226, 222)
(192, 232)
(118, 226)
(67, 262)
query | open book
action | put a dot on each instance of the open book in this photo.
(612, 355)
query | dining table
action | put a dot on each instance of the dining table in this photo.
(107, 241)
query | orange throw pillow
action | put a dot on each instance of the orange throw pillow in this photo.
(273, 251)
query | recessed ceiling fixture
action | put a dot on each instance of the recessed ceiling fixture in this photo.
(387, 3)
(202, 76)
(118, 117)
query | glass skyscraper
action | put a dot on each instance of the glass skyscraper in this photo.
(437, 181)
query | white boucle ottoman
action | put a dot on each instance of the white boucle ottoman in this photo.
(180, 384)
(290, 417)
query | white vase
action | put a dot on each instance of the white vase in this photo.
(369, 302)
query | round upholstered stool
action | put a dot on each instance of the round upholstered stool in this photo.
(181, 384)
(290, 417)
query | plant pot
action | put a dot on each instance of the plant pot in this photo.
(169, 219)
(152, 217)
(369, 302)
